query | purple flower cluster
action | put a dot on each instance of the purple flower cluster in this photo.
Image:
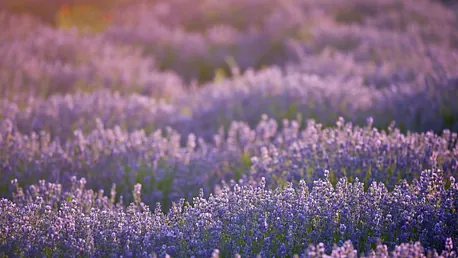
(43, 61)
(244, 220)
(61, 115)
(376, 36)
(352, 152)
(169, 171)
(279, 94)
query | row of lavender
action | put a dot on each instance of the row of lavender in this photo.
(169, 171)
(384, 42)
(279, 94)
(39, 60)
(243, 220)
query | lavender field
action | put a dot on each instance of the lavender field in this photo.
(228, 128)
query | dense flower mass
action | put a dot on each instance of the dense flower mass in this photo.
(244, 220)
(46, 61)
(217, 128)
(169, 171)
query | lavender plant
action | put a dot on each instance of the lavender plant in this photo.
(352, 152)
(280, 94)
(61, 115)
(198, 41)
(245, 220)
(285, 94)
(169, 171)
(47, 61)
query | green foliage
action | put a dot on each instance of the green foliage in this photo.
(448, 117)
(244, 167)
(220, 75)
(291, 112)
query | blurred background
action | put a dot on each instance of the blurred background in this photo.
(390, 59)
